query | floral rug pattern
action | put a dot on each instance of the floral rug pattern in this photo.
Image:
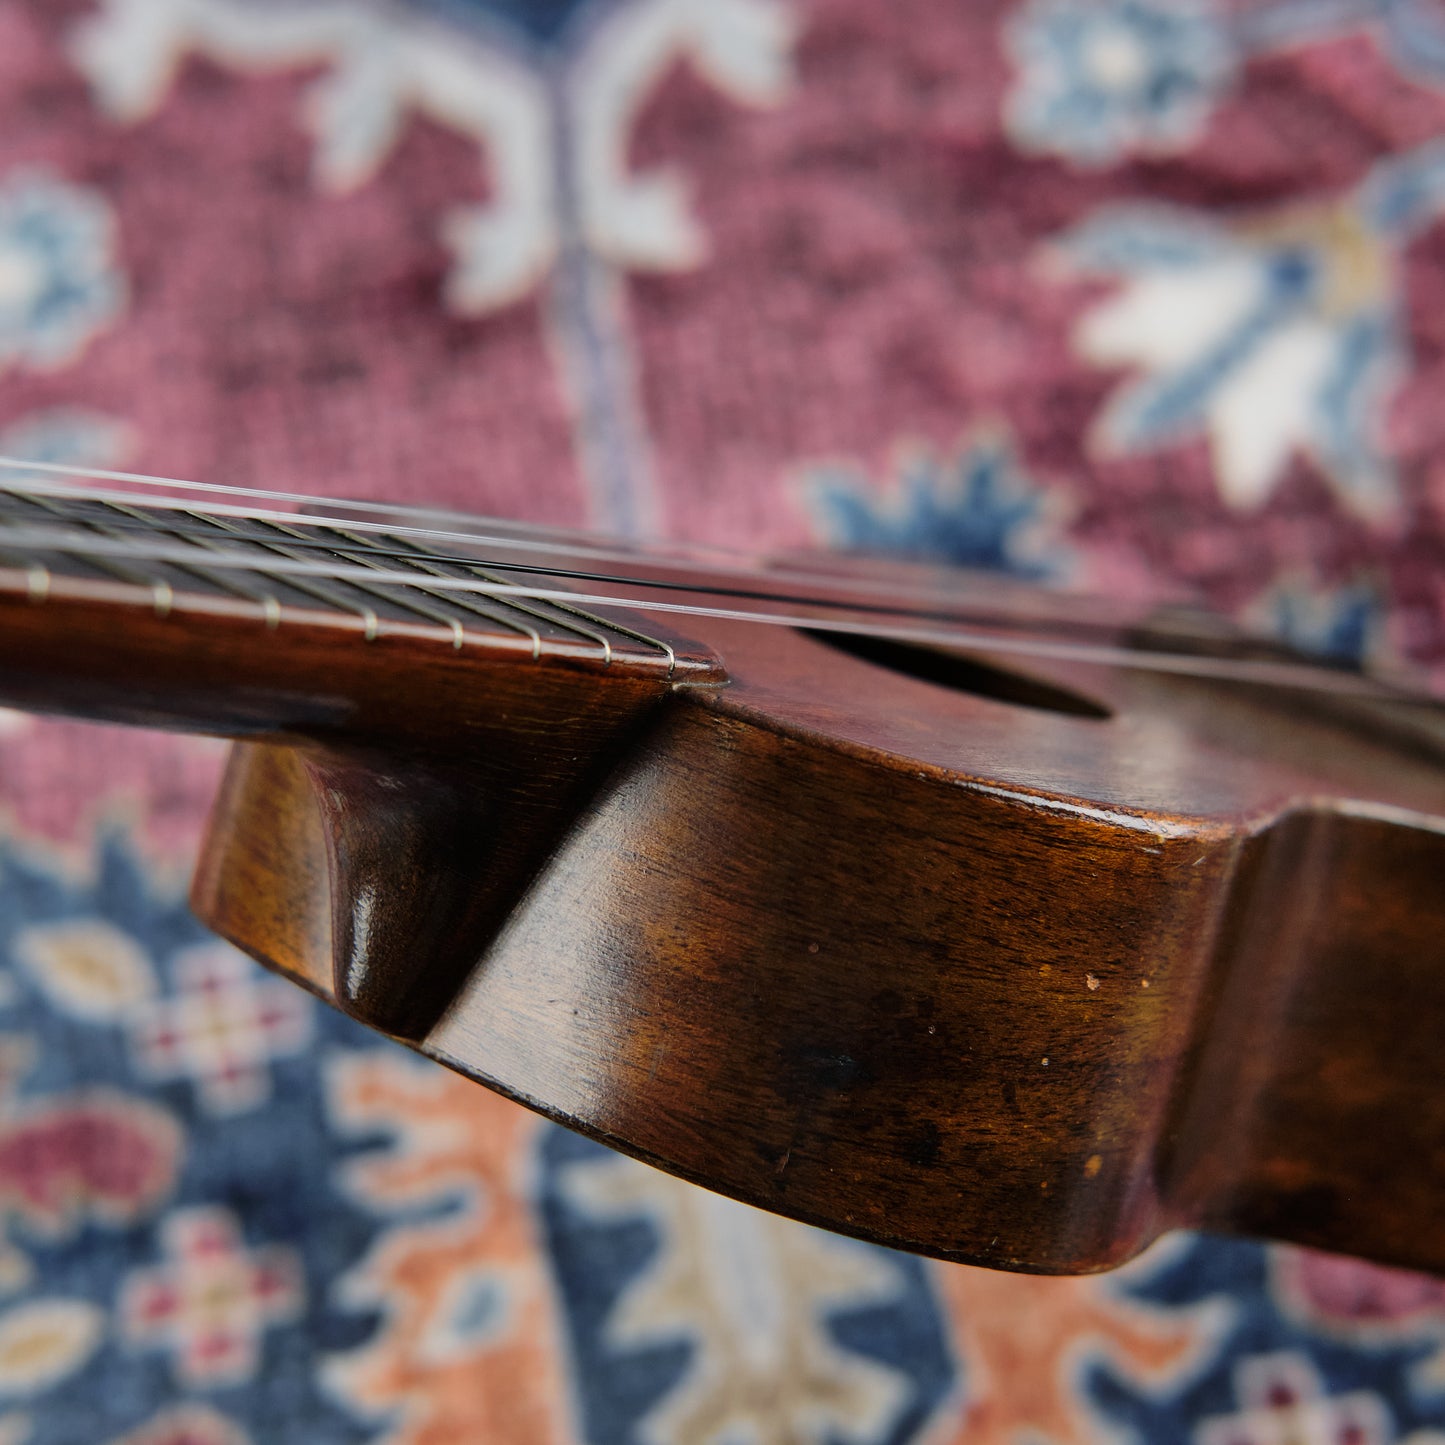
(1133, 295)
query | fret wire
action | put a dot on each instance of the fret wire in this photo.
(664, 647)
(465, 529)
(270, 605)
(657, 642)
(471, 534)
(376, 591)
(162, 594)
(470, 604)
(580, 628)
(268, 602)
(286, 568)
(531, 611)
(372, 589)
(37, 575)
(297, 584)
(338, 603)
(417, 559)
(469, 538)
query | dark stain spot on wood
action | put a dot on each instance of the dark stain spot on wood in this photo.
(817, 1069)
(1305, 1213)
(923, 1147)
(889, 1001)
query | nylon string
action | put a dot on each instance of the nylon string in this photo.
(883, 608)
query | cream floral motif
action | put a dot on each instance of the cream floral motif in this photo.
(752, 1293)
(211, 1300)
(1268, 335)
(44, 1341)
(86, 967)
(221, 1027)
(566, 205)
(380, 69)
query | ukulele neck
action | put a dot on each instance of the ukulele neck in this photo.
(250, 626)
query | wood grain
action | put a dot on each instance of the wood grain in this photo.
(997, 983)
(1004, 961)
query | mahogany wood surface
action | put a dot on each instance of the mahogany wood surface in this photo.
(1003, 985)
(1011, 962)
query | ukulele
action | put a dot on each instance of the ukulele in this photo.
(991, 925)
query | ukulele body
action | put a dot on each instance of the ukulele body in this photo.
(1018, 966)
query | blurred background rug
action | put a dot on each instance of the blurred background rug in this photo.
(1121, 294)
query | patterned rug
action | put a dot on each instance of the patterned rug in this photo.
(1126, 294)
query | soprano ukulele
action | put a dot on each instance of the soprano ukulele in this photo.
(984, 924)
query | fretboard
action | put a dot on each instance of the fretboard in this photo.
(64, 543)
(98, 592)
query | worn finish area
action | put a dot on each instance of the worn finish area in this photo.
(1003, 959)
(996, 983)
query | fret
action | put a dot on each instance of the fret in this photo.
(497, 613)
(211, 534)
(531, 609)
(270, 605)
(574, 622)
(434, 568)
(185, 578)
(433, 614)
(227, 584)
(469, 604)
(322, 592)
(362, 551)
(162, 578)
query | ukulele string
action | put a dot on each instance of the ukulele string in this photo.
(1088, 642)
(779, 584)
(785, 583)
(776, 592)
(410, 520)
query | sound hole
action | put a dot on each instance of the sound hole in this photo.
(962, 673)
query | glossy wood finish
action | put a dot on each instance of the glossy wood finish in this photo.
(995, 983)
(1008, 962)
